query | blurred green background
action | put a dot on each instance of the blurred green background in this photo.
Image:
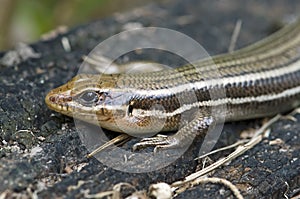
(27, 20)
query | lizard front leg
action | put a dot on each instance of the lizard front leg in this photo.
(183, 138)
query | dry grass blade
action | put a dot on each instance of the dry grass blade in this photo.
(118, 139)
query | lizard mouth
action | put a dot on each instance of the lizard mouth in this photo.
(58, 101)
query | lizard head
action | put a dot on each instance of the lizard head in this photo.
(103, 100)
(87, 98)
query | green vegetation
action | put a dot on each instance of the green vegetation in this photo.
(27, 20)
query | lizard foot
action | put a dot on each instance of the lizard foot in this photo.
(159, 142)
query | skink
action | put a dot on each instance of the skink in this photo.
(260, 80)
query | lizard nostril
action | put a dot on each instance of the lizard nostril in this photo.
(52, 98)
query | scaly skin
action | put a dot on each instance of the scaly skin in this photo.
(257, 81)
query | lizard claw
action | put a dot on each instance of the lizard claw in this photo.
(159, 142)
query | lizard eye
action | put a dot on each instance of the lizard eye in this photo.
(89, 97)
